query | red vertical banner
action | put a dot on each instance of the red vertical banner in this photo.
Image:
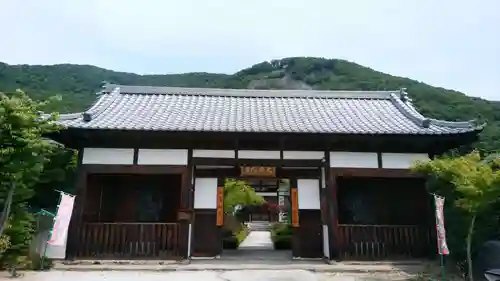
(440, 230)
(220, 206)
(295, 207)
(62, 220)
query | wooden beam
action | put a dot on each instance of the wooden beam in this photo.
(132, 169)
(280, 173)
(374, 172)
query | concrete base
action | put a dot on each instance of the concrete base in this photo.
(230, 265)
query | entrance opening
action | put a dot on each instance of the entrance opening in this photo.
(130, 215)
(383, 218)
(260, 231)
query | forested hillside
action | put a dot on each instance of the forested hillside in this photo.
(77, 85)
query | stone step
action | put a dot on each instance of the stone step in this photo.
(258, 225)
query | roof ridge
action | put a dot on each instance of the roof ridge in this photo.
(405, 106)
(101, 105)
(271, 93)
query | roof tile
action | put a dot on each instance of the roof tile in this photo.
(284, 111)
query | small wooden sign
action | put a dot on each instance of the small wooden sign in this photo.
(295, 207)
(258, 171)
(220, 206)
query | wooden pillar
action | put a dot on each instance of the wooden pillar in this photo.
(333, 222)
(295, 219)
(220, 217)
(331, 207)
(325, 217)
(184, 215)
(76, 222)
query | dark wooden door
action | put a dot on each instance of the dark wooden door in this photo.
(206, 237)
(310, 234)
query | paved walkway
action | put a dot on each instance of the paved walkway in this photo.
(240, 275)
(257, 240)
(256, 248)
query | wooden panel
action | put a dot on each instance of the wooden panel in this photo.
(375, 242)
(206, 242)
(258, 171)
(92, 204)
(376, 172)
(310, 234)
(128, 240)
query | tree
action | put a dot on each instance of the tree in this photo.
(24, 153)
(470, 184)
(238, 192)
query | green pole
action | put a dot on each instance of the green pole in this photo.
(42, 261)
(443, 271)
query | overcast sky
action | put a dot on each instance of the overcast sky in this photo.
(449, 43)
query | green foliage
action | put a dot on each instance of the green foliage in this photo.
(76, 84)
(280, 229)
(474, 183)
(281, 235)
(471, 187)
(24, 158)
(232, 239)
(238, 192)
(4, 244)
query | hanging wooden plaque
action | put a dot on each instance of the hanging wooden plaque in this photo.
(258, 171)
(220, 206)
(295, 207)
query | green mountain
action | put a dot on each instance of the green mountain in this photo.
(77, 85)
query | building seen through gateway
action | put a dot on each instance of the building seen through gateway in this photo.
(333, 167)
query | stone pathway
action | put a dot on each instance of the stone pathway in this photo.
(256, 248)
(257, 240)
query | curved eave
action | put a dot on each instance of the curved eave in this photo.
(404, 104)
(474, 131)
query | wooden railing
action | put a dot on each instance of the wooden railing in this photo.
(384, 242)
(128, 240)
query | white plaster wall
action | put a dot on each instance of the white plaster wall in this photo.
(303, 155)
(308, 193)
(401, 160)
(208, 153)
(162, 157)
(205, 193)
(110, 156)
(258, 154)
(326, 244)
(340, 159)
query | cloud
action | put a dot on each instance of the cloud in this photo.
(448, 43)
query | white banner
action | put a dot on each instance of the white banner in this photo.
(61, 221)
(440, 230)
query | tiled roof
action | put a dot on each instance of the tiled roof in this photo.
(236, 110)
